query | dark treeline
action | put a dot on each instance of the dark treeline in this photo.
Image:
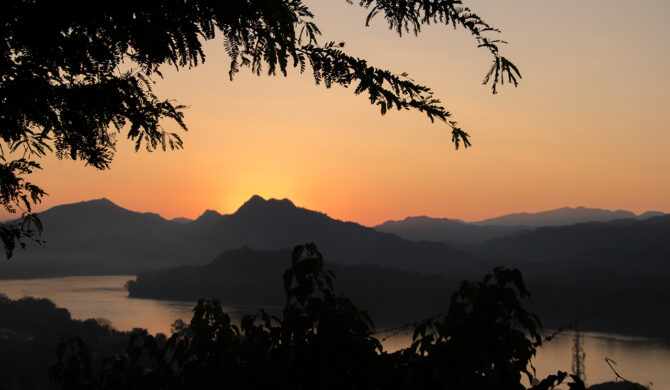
(31, 328)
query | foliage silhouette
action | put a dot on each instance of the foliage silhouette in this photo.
(29, 329)
(74, 75)
(485, 340)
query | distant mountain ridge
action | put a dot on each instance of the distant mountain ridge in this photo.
(100, 237)
(611, 240)
(181, 220)
(564, 216)
(620, 266)
(456, 231)
(450, 231)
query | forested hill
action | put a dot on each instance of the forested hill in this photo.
(254, 278)
(99, 237)
(273, 224)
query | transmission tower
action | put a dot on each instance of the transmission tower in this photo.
(578, 354)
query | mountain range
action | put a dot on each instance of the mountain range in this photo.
(99, 237)
(456, 231)
(565, 216)
(620, 266)
(625, 245)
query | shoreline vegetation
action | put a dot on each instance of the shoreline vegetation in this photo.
(394, 297)
(313, 315)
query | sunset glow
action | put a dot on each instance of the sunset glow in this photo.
(587, 125)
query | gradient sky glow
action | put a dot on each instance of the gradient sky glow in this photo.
(587, 125)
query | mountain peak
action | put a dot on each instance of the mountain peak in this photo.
(93, 204)
(257, 202)
(181, 220)
(649, 214)
(253, 201)
(99, 202)
(208, 217)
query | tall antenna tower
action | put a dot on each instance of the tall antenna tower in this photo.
(578, 355)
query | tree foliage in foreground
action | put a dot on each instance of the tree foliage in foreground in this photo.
(485, 340)
(75, 75)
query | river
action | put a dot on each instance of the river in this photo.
(638, 359)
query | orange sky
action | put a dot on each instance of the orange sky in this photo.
(586, 126)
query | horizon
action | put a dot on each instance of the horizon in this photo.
(297, 205)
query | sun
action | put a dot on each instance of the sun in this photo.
(267, 183)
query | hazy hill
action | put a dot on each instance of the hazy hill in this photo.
(562, 216)
(649, 214)
(181, 220)
(100, 237)
(637, 245)
(451, 231)
(456, 231)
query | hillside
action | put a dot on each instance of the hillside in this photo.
(446, 230)
(253, 278)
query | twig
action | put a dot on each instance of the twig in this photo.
(610, 362)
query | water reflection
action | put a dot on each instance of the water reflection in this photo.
(103, 297)
(638, 359)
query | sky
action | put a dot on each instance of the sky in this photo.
(587, 125)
